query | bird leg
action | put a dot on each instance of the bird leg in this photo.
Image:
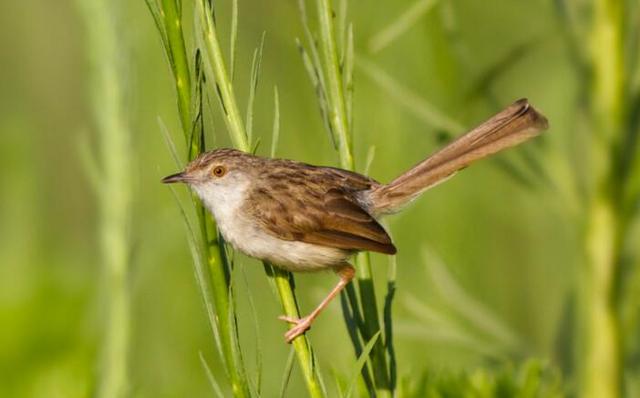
(301, 325)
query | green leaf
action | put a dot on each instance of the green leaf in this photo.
(400, 25)
(256, 326)
(256, 66)
(347, 74)
(275, 134)
(159, 22)
(388, 321)
(470, 308)
(201, 272)
(233, 37)
(316, 80)
(362, 360)
(286, 375)
(371, 154)
(411, 101)
(171, 145)
(215, 386)
(90, 166)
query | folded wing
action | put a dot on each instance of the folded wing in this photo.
(316, 214)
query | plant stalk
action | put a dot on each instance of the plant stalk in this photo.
(238, 134)
(114, 191)
(602, 376)
(303, 350)
(172, 16)
(170, 27)
(339, 120)
(603, 364)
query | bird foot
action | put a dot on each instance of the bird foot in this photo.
(301, 326)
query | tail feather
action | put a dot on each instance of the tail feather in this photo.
(512, 126)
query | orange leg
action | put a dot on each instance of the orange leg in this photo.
(301, 325)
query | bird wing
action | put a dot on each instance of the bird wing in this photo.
(319, 214)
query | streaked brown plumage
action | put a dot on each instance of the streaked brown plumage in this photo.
(318, 205)
(303, 217)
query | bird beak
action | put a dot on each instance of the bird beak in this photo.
(178, 177)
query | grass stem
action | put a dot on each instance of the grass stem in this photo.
(216, 67)
(172, 16)
(603, 367)
(339, 121)
(168, 19)
(114, 191)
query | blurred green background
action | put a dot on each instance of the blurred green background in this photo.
(513, 249)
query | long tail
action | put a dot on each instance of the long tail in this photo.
(511, 126)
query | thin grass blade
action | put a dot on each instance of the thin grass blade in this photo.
(316, 80)
(467, 306)
(200, 271)
(233, 37)
(347, 67)
(342, 27)
(411, 101)
(90, 165)
(171, 145)
(371, 154)
(256, 326)
(286, 375)
(256, 66)
(360, 363)
(433, 325)
(152, 5)
(215, 386)
(388, 322)
(400, 25)
(275, 132)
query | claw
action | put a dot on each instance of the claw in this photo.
(301, 326)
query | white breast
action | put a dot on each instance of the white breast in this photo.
(225, 203)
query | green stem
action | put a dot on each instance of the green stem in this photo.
(339, 121)
(115, 190)
(603, 363)
(336, 100)
(602, 376)
(216, 68)
(372, 323)
(608, 66)
(172, 16)
(171, 28)
(226, 323)
(301, 345)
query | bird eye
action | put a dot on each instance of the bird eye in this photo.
(219, 171)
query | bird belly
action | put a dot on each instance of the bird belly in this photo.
(249, 238)
(297, 256)
(290, 255)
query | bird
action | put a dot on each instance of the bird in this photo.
(305, 218)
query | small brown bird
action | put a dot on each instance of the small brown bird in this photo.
(307, 218)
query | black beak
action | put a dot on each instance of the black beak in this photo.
(178, 177)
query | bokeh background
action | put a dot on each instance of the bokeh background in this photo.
(488, 269)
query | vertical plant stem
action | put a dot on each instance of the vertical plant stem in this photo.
(602, 376)
(238, 134)
(218, 70)
(607, 45)
(335, 90)
(303, 350)
(226, 321)
(114, 190)
(372, 324)
(169, 20)
(172, 16)
(339, 121)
